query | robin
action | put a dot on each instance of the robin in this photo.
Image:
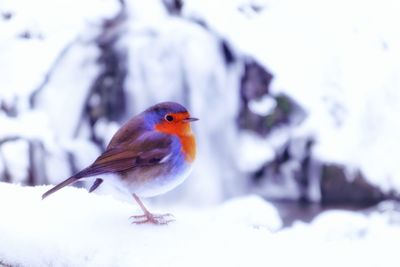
(149, 155)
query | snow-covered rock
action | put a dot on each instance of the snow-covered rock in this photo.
(48, 64)
(338, 59)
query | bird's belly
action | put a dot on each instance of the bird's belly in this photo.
(159, 184)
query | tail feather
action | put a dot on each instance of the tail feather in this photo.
(87, 172)
(60, 185)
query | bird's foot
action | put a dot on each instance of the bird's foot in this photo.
(158, 219)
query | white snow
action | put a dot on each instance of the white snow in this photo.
(263, 106)
(51, 30)
(75, 228)
(254, 151)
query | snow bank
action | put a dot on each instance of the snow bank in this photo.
(74, 228)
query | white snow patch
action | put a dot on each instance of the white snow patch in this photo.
(50, 30)
(263, 106)
(75, 228)
(251, 211)
(254, 151)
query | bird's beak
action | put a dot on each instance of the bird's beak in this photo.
(190, 119)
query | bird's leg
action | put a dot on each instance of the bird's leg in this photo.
(149, 217)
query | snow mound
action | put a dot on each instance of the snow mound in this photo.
(75, 228)
(251, 210)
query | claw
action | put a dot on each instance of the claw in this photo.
(148, 217)
(158, 219)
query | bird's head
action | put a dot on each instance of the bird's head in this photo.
(170, 118)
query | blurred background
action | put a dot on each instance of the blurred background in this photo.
(298, 100)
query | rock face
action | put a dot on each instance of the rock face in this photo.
(59, 118)
(295, 173)
(336, 187)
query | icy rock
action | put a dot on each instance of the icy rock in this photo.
(340, 186)
(343, 73)
(256, 80)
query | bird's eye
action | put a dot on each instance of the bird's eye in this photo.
(169, 118)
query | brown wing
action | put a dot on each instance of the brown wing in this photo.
(131, 130)
(149, 149)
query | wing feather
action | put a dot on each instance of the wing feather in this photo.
(147, 150)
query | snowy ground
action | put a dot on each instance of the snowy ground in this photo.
(74, 228)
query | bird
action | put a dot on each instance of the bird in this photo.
(151, 154)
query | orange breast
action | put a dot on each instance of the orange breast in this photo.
(184, 132)
(188, 147)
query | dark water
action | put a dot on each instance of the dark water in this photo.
(306, 212)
